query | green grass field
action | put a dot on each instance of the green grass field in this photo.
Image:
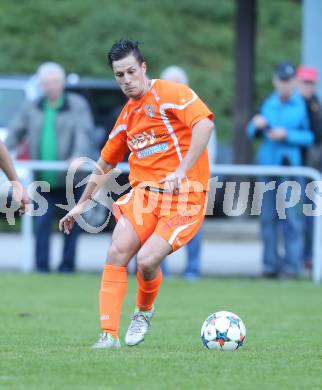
(48, 324)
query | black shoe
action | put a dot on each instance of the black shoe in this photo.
(270, 275)
(43, 271)
(289, 276)
(63, 269)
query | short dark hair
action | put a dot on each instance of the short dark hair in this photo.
(124, 48)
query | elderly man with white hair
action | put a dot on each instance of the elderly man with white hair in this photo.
(57, 127)
(192, 271)
(176, 74)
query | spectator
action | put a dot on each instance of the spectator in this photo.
(307, 78)
(192, 271)
(57, 127)
(283, 127)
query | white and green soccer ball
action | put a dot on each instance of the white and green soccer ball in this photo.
(223, 331)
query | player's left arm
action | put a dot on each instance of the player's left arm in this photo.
(201, 133)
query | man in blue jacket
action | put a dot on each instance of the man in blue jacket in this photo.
(283, 127)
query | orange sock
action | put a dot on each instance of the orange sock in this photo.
(147, 291)
(112, 293)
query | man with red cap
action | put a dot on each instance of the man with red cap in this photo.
(307, 79)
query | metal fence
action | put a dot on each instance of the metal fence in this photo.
(30, 167)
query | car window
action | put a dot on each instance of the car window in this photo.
(103, 102)
(11, 101)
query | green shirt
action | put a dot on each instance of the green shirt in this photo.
(48, 139)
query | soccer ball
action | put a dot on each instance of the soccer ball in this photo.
(223, 331)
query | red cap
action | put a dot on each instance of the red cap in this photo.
(307, 73)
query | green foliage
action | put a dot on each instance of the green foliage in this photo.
(197, 35)
(278, 39)
(49, 322)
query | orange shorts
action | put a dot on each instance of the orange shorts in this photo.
(176, 218)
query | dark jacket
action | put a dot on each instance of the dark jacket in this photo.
(313, 155)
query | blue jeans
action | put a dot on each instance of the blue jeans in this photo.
(194, 251)
(308, 237)
(43, 228)
(281, 233)
(309, 222)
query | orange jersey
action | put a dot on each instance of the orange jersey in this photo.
(157, 129)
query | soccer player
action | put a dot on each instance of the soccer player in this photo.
(166, 127)
(19, 193)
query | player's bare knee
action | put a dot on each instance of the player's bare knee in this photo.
(146, 262)
(146, 269)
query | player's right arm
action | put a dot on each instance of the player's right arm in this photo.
(112, 153)
(97, 179)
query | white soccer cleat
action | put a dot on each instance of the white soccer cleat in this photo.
(107, 341)
(140, 324)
